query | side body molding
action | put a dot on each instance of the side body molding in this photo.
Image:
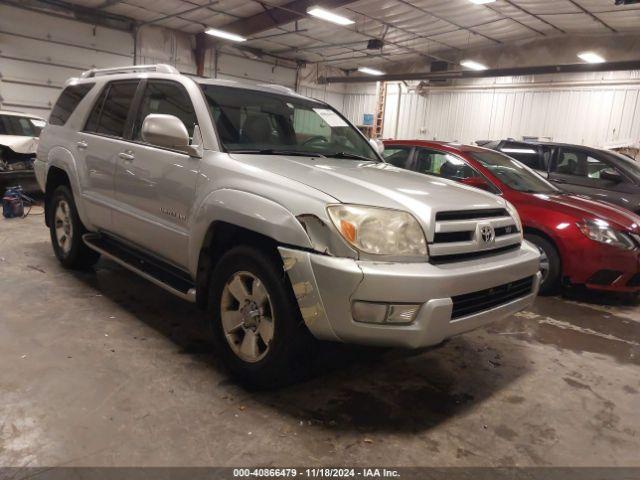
(249, 211)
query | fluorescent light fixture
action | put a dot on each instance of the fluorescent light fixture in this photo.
(370, 71)
(481, 2)
(473, 65)
(226, 35)
(591, 57)
(323, 14)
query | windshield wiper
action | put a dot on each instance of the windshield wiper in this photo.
(353, 156)
(275, 151)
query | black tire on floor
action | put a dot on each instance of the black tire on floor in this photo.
(289, 351)
(551, 282)
(74, 254)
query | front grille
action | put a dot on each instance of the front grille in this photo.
(604, 277)
(635, 281)
(459, 257)
(462, 234)
(470, 303)
(470, 214)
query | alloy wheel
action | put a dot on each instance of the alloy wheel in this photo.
(63, 226)
(247, 316)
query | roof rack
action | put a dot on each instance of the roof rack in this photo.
(159, 68)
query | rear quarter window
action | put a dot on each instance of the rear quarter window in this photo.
(67, 103)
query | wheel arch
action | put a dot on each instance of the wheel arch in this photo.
(559, 247)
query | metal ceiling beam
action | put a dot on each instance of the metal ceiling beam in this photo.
(78, 12)
(178, 14)
(597, 19)
(522, 9)
(491, 73)
(277, 16)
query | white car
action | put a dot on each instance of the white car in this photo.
(19, 133)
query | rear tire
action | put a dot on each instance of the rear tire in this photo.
(66, 232)
(256, 322)
(550, 264)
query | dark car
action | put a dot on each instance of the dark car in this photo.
(599, 174)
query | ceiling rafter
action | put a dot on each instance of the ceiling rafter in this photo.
(522, 9)
(451, 22)
(597, 19)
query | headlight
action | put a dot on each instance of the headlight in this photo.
(516, 216)
(379, 231)
(600, 231)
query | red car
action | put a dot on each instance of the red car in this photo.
(582, 242)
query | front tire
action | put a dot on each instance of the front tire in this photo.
(257, 325)
(66, 231)
(550, 265)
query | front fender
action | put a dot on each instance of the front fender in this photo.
(245, 210)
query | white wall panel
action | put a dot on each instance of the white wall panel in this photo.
(595, 115)
(38, 52)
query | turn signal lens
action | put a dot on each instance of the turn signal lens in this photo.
(348, 230)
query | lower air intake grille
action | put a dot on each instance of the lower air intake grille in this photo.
(475, 302)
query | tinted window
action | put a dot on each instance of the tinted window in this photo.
(168, 98)
(251, 121)
(67, 103)
(527, 154)
(20, 126)
(397, 155)
(109, 115)
(443, 165)
(578, 163)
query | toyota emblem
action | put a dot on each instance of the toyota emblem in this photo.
(487, 234)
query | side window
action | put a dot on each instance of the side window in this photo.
(443, 165)
(168, 98)
(397, 155)
(67, 102)
(110, 112)
(578, 163)
(527, 154)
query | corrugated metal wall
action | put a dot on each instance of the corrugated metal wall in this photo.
(38, 52)
(595, 115)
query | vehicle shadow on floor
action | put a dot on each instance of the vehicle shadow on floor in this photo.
(368, 389)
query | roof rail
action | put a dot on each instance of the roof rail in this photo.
(98, 72)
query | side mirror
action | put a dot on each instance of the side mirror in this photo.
(477, 182)
(167, 131)
(377, 145)
(611, 175)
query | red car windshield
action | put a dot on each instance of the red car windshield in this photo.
(512, 173)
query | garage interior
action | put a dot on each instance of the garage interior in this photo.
(102, 368)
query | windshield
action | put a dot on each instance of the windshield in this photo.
(513, 173)
(20, 126)
(250, 121)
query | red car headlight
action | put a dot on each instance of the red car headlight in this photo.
(600, 231)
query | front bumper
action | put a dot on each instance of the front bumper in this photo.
(325, 288)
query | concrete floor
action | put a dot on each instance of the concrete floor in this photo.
(105, 369)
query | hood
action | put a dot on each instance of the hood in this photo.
(375, 184)
(581, 208)
(19, 144)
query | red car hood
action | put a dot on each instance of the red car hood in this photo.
(581, 208)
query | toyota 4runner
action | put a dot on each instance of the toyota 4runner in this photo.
(274, 213)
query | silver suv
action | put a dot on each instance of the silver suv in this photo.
(274, 213)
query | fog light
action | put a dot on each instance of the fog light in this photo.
(371, 312)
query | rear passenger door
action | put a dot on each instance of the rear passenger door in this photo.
(157, 185)
(97, 149)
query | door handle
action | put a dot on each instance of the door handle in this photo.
(127, 156)
(82, 145)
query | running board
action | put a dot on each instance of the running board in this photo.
(150, 268)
